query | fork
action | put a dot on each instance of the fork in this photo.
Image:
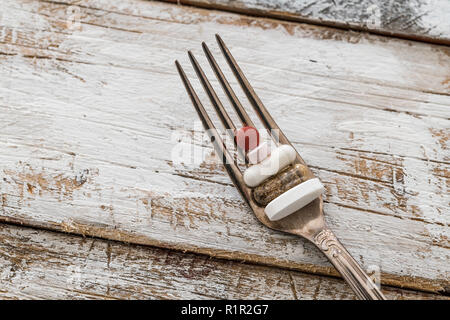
(308, 222)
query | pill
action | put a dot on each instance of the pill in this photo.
(286, 179)
(294, 199)
(247, 138)
(281, 157)
(259, 153)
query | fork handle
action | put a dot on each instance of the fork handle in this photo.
(350, 270)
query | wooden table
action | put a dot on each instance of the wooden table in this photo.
(93, 205)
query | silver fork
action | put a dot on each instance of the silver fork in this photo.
(307, 222)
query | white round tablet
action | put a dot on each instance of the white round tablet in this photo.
(294, 199)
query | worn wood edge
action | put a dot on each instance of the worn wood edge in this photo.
(292, 17)
(289, 284)
(106, 233)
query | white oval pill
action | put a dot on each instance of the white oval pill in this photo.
(281, 157)
(294, 199)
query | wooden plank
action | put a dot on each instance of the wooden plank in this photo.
(91, 113)
(37, 264)
(414, 19)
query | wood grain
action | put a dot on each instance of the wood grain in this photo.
(92, 111)
(37, 264)
(413, 19)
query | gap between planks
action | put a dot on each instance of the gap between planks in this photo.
(105, 234)
(118, 262)
(259, 12)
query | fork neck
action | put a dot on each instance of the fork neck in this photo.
(353, 274)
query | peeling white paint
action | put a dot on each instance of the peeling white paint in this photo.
(107, 98)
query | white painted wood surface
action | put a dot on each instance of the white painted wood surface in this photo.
(39, 264)
(425, 20)
(90, 112)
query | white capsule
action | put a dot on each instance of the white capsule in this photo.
(258, 154)
(294, 199)
(281, 157)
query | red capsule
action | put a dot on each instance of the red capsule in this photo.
(247, 138)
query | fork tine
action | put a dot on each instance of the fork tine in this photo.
(223, 115)
(258, 106)
(242, 114)
(228, 161)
